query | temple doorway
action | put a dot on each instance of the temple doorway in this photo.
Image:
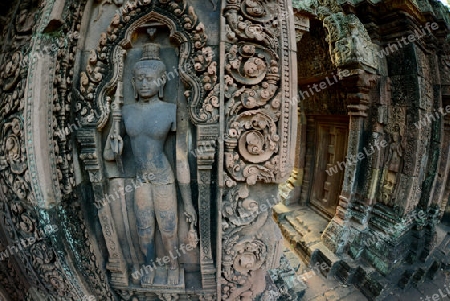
(330, 133)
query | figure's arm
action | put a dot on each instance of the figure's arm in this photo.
(114, 142)
(182, 165)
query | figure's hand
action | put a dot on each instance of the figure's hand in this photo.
(190, 214)
(116, 143)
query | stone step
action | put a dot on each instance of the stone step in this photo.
(299, 227)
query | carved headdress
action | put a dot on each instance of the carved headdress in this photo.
(150, 57)
(150, 51)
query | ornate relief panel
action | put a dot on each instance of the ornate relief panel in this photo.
(260, 112)
(257, 87)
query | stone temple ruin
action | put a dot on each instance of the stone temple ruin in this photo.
(205, 149)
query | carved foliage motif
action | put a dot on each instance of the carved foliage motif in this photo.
(257, 101)
(255, 144)
(16, 219)
(248, 249)
(243, 254)
(198, 68)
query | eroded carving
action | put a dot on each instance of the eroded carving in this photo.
(155, 201)
(247, 251)
(349, 42)
(394, 154)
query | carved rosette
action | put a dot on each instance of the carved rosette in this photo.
(249, 243)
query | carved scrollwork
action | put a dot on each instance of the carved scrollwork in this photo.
(257, 10)
(45, 271)
(254, 79)
(257, 90)
(252, 137)
(240, 210)
(241, 16)
(246, 247)
(13, 162)
(10, 76)
(252, 133)
(250, 63)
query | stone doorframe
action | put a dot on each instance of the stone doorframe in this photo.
(359, 79)
(379, 109)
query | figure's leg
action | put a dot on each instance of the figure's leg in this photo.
(165, 198)
(145, 216)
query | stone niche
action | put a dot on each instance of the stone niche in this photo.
(141, 102)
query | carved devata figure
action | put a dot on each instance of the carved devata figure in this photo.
(144, 108)
(393, 158)
(147, 123)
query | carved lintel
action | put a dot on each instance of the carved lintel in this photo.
(349, 42)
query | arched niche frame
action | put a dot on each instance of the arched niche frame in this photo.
(100, 92)
(196, 65)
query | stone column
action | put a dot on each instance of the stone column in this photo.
(337, 233)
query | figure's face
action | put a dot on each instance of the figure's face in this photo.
(148, 79)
